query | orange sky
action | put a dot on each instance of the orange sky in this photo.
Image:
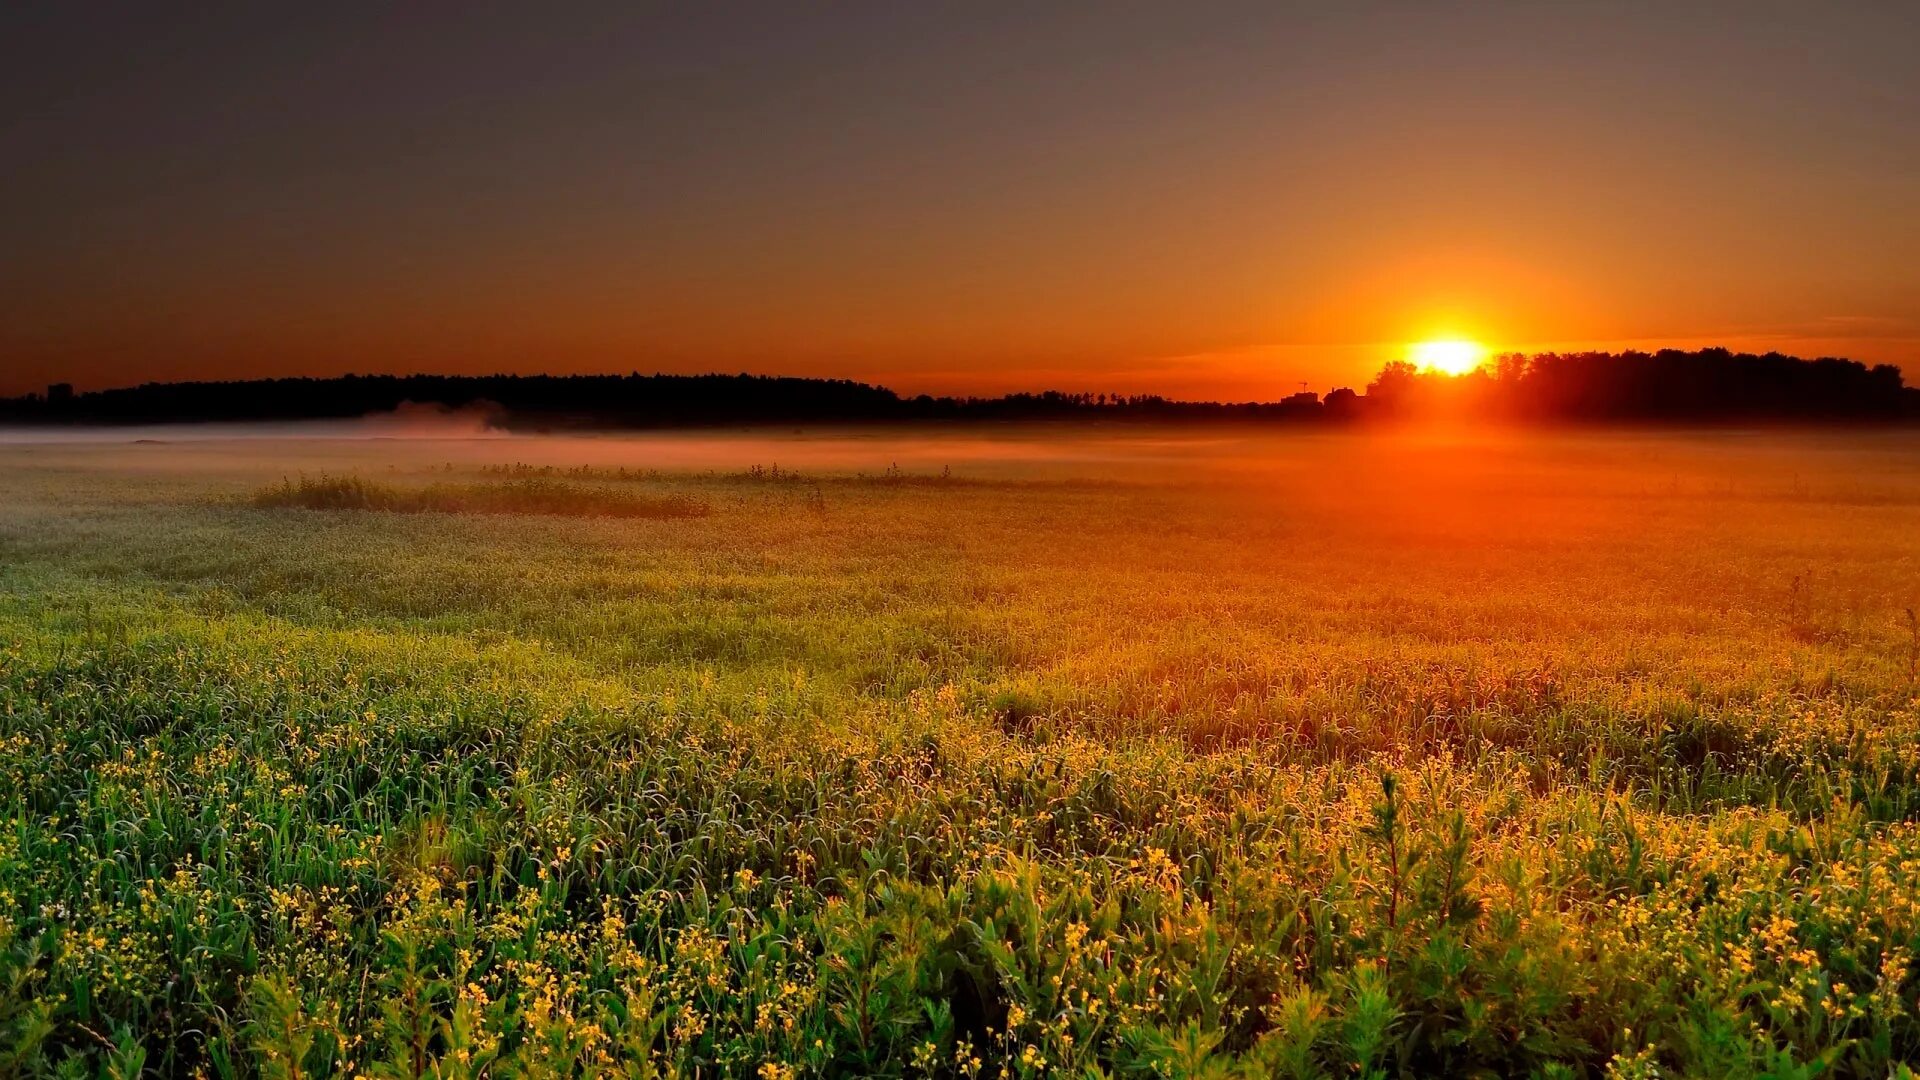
(1216, 200)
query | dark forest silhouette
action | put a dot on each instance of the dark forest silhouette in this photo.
(1671, 386)
(1710, 385)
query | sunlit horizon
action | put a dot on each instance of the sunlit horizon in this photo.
(1226, 207)
(1449, 356)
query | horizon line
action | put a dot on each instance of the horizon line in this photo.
(1493, 357)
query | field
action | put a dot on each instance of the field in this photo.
(1110, 752)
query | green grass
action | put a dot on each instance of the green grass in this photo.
(1241, 756)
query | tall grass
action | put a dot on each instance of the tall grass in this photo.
(528, 495)
(774, 474)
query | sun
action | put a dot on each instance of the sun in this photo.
(1449, 357)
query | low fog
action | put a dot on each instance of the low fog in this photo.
(410, 420)
(1347, 465)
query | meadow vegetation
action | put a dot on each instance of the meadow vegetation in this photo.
(523, 495)
(1212, 755)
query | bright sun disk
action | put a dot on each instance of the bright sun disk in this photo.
(1451, 357)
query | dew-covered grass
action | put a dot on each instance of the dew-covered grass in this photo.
(1148, 753)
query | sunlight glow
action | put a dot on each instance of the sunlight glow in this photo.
(1451, 357)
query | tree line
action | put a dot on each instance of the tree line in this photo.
(1670, 386)
(1708, 385)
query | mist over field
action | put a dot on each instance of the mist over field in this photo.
(409, 421)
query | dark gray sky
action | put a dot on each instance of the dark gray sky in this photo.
(1207, 199)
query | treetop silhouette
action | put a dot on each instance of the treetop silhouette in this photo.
(1669, 386)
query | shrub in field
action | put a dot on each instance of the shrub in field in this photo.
(530, 495)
